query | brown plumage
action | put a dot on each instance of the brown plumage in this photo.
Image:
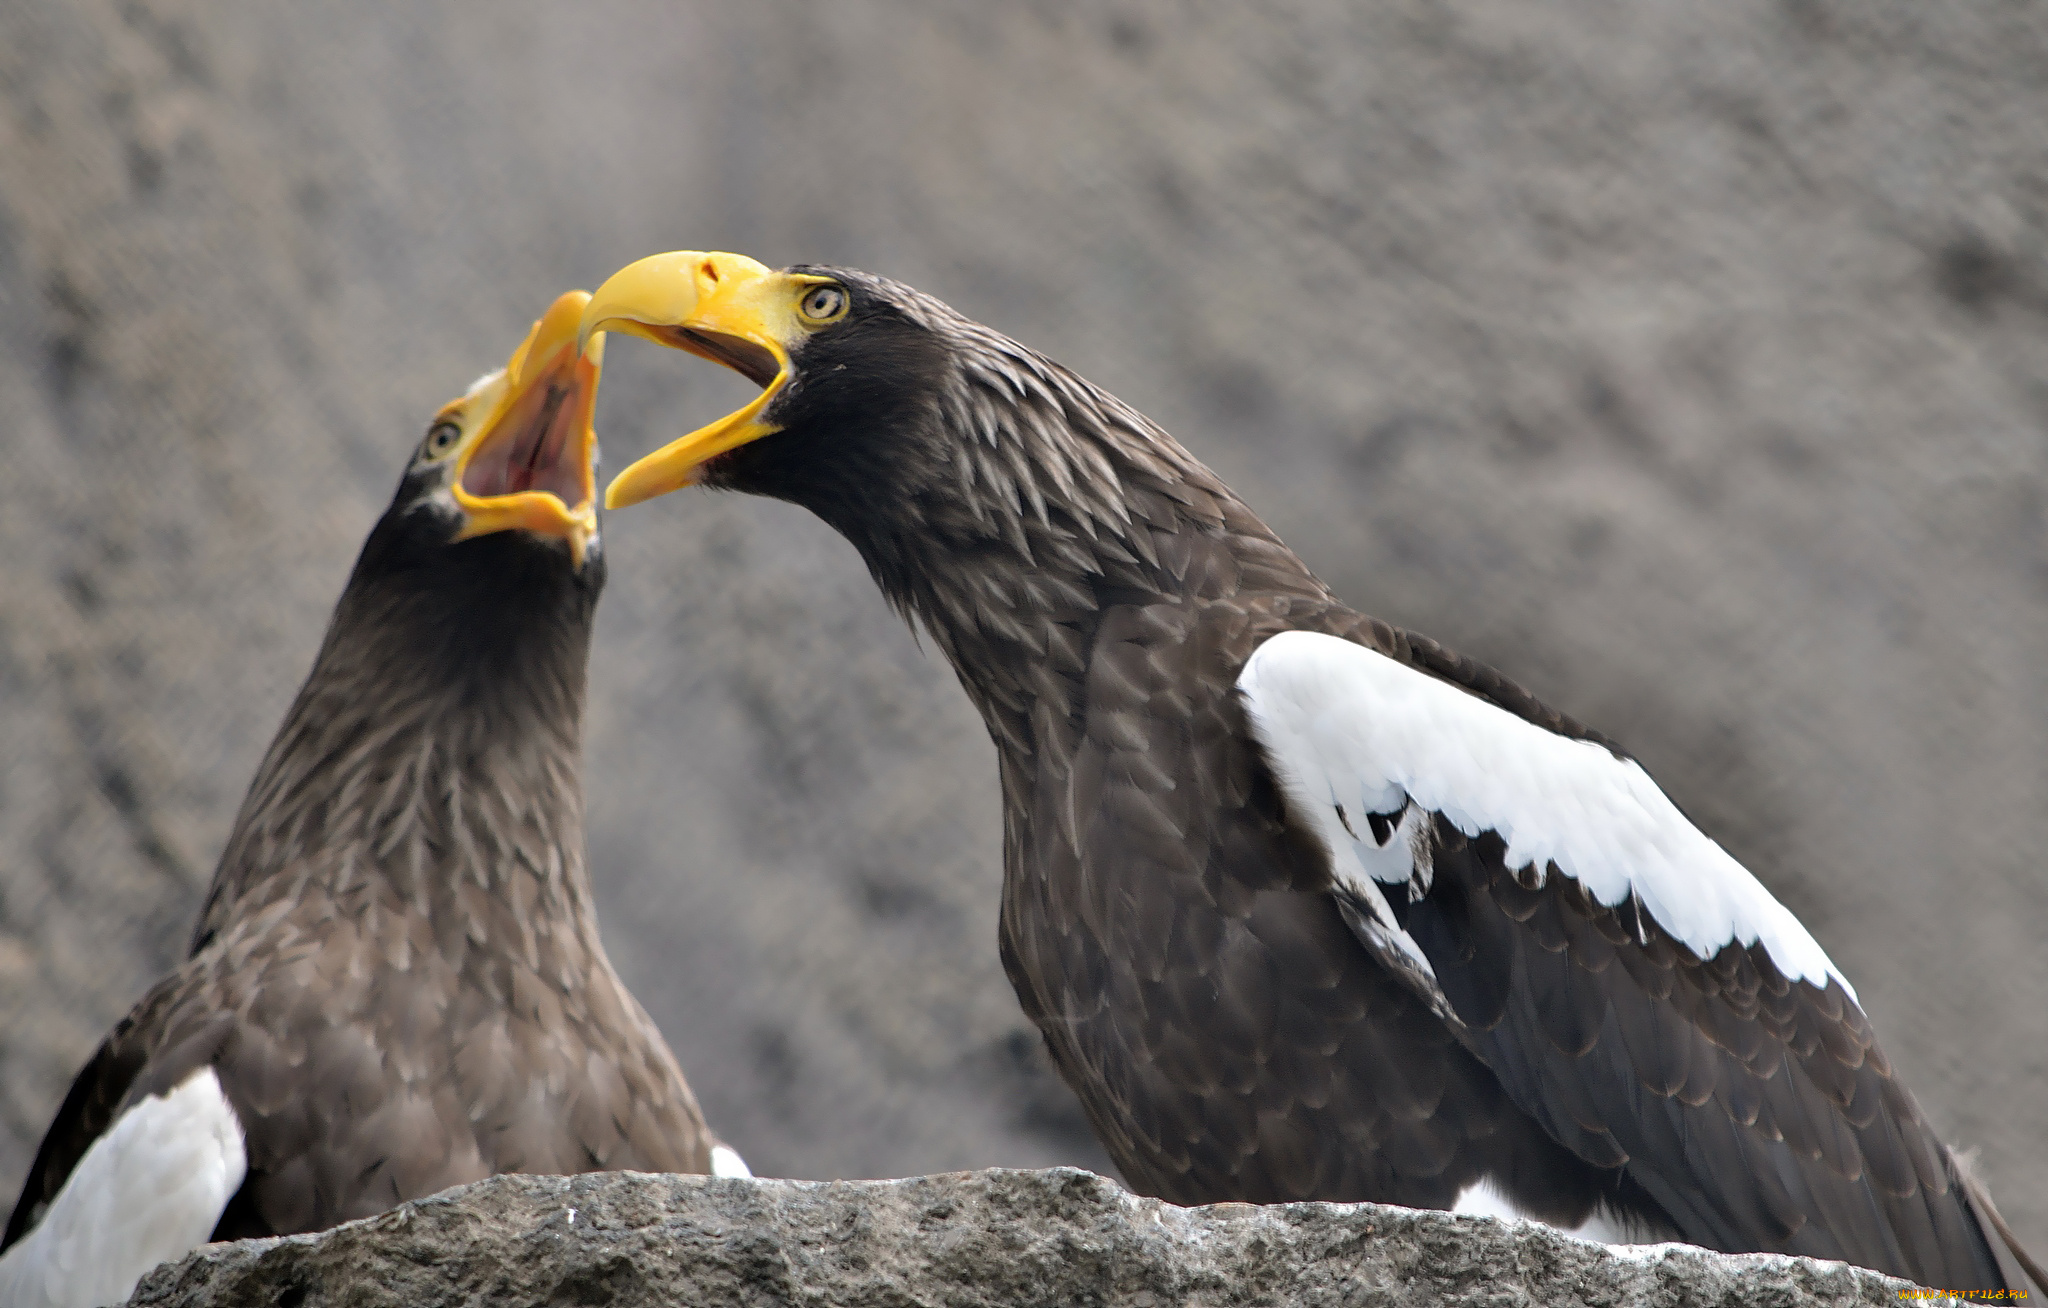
(397, 976)
(1228, 1008)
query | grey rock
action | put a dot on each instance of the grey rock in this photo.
(1689, 361)
(1012, 1239)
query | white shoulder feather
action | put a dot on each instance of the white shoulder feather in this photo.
(149, 1190)
(1366, 747)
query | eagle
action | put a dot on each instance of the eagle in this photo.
(1305, 905)
(396, 983)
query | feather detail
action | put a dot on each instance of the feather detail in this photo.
(149, 1190)
(1338, 720)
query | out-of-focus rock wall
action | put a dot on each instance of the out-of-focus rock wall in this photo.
(1688, 361)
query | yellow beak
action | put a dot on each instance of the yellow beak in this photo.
(722, 307)
(529, 464)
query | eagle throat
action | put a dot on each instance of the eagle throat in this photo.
(436, 742)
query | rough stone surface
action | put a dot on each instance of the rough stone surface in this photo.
(1689, 361)
(1007, 1239)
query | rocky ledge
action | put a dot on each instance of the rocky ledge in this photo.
(1060, 1237)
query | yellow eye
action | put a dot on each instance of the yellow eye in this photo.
(441, 438)
(823, 303)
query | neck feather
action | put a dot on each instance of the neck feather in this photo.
(434, 751)
(1039, 502)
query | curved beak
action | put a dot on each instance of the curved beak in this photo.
(531, 462)
(722, 307)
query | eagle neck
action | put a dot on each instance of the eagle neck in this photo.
(1048, 502)
(430, 765)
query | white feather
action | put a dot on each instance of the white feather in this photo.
(1344, 725)
(726, 1161)
(150, 1189)
(1483, 1198)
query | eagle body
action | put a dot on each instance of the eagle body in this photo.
(1170, 930)
(1307, 906)
(396, 983)
(1185, 952)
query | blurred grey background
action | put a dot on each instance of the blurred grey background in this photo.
(1688, 361)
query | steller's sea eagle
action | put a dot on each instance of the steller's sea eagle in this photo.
(1306, 905)
(396, 984)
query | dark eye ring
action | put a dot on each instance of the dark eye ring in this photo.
(441, 438)
(824, 303)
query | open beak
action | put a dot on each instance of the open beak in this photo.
(722, 307)
(530, 463)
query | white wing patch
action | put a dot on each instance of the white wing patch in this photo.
(1368, 746)
(726, 1161)
(149, 1190)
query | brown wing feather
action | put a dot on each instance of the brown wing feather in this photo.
(1776, 1114)
(1759, 1111)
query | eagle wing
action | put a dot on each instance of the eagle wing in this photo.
(1635, 989)
(138, 1166)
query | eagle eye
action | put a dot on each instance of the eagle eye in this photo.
(823, 303)
(441, 438)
